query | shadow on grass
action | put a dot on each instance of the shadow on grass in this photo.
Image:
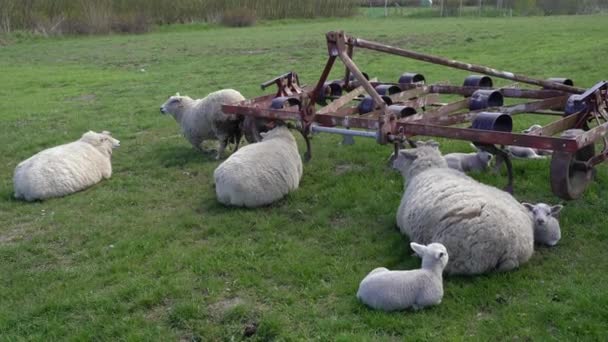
(176, 156)
(212, 206)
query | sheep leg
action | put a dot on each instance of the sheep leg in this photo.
(221, 148)
(237, 139)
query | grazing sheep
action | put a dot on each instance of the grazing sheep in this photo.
(203, 119)
(466, 162)
(483, 228)
(65, 169)
(388, 290)
(546, 225)
(261, 173)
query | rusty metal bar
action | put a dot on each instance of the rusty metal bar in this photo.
(324, 75)
(592, 135)
(268, 113)
(488, 137)
(460, 65)
(556, 126)
(344, 131)
(536, 105)
(335, 105)
(329, 120)
(445, 110)
(339, 40)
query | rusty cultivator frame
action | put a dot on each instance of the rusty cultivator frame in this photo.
(395, 112)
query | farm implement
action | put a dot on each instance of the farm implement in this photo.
(393, 113)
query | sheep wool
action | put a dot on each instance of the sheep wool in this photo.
(65, 169)
(483, 228)
(261, 173)
(203, 119)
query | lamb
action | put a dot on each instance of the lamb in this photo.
(546, 225)
(524, 152)
(528, 152)
(65, 169)
(483, 228)
(465, 162)
(261, 173)
(532, 128)
(203, 119)
(388, 290)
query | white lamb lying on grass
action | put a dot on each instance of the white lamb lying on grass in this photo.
(483, 228)
(546, 226)
(466, 162)
(65, 169)
(203, 119)
(260, 173)
(388, 290)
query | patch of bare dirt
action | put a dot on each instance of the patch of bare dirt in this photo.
(345, 168)
(221, 307)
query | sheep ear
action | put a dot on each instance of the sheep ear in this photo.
(107, 133)
(177, 94)
(408, 154)
(419, 249)
(556, 209)
(528, 206)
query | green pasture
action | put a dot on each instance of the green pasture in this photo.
(151, 255)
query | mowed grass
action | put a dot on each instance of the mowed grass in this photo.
(151, 255)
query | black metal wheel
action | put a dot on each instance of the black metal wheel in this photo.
(570, 176)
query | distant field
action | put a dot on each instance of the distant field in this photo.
(151, 255)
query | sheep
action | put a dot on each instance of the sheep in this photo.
(546, 226)
(483, 228)
(388, 290)
(203, 119)
(465, 162)
(524, 152)
(532, 128)
(65, 169)
(261, 173)
(527, 152)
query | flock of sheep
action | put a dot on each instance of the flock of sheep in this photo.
(456, 224)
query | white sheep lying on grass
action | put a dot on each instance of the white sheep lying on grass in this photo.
(260, 173)
(388, 290)
(65, 169)
(203, 119)
(483, 228)
(466, 162)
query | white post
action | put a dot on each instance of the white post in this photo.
(386, 8)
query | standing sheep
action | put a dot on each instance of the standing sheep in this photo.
(203, 119)
(65, 169)
(261, 173)
(483, 228)
(388, 290)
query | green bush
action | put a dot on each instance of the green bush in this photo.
(103, 16)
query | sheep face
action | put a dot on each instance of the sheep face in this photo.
(432, 254)
(172, 105)
(546, 225)
(484, 157)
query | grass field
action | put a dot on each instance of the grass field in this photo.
(150, 254)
